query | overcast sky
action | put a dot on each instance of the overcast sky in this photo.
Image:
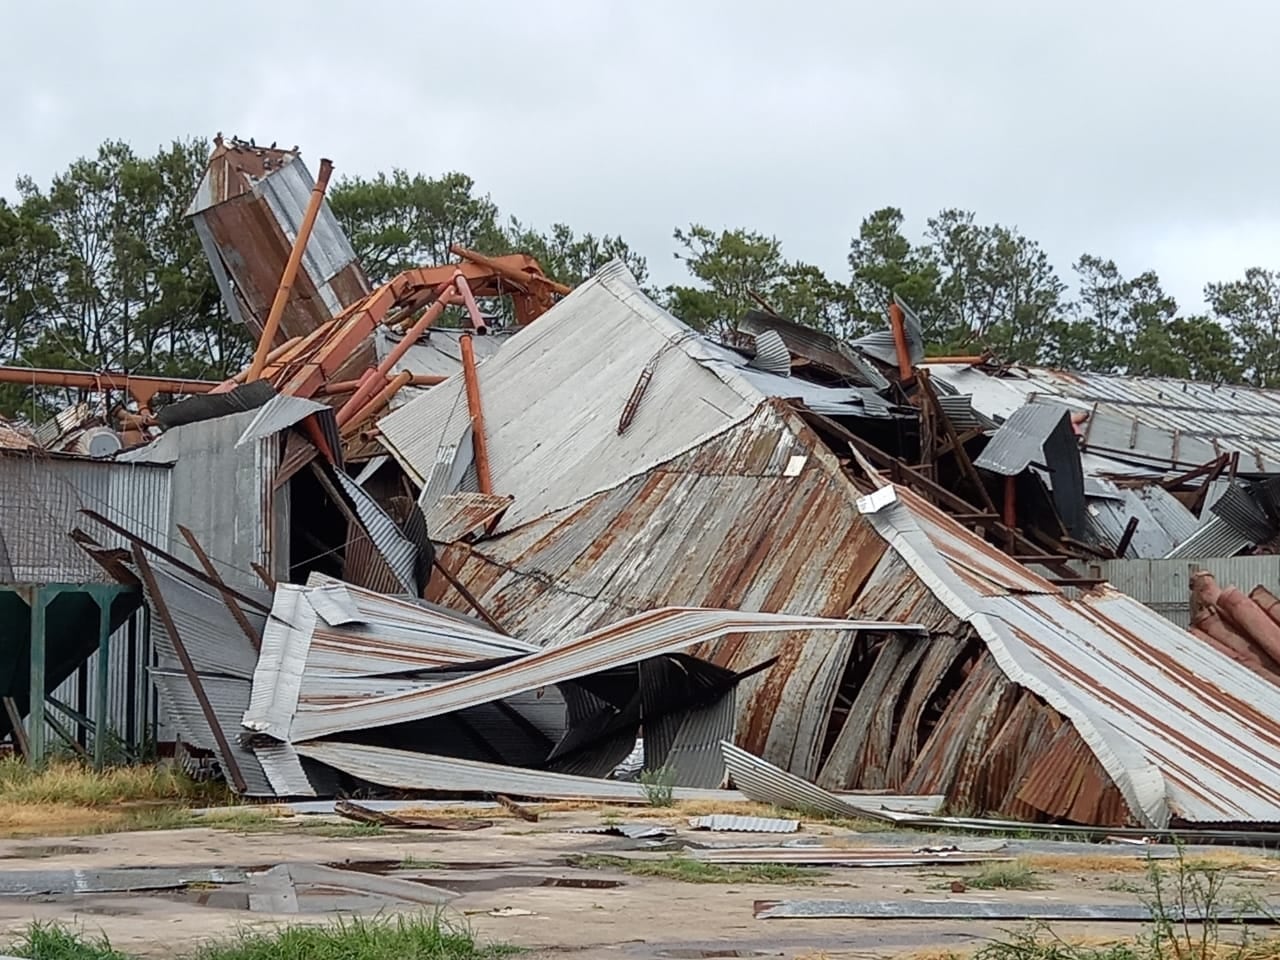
(1145, 132)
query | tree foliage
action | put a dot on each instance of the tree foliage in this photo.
(100, 269)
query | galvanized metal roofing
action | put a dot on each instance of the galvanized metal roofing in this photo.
(553, 397)
(1163, 522)
(1146, 418)
(1183, 731)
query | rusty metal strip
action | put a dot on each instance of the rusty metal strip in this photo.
(254, 640)
(470, 598)
(169, 558)
(15, 721)
(166, 618)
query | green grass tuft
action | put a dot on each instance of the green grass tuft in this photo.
(53, 942)
(688, 870)
(1006, 876)
(658, 786)
(422, 937)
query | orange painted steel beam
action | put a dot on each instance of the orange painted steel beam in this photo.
(348, 386)
(898, 324)
(517, 268)
(141, 388)
(353, 424)
(479, 443)
(370, 382)
(473, 308)
(290, 271)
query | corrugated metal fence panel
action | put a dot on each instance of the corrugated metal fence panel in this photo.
(40, 502)
(1165, 585)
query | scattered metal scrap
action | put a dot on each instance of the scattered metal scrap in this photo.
(810, 855)
(730, 823)
(632, 831)
(954, 909)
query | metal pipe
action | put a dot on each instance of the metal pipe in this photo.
(898, 324)
(141, 389)
(377, 403)
(1011, 502)
(348, 386)
(473, 309)
(971, 361)
(290, 272)
(272, 357)
(371, 380)
(478, 441)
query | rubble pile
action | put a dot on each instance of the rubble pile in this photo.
(505, 556)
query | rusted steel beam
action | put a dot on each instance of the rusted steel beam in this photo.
(264, 575)
(142, 389)
(290, 272)
(216, 577)
(1207, 470)
(166, 619)
(169, 558)
(970, 360)
(523, 812)
(1011, 501)
(898, 325)
(470, 598)
(904, 473)
(480, 444)
(957, 447)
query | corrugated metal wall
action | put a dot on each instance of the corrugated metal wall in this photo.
(1165, 585)
(40, 501)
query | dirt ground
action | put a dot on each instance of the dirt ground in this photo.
(506, 877)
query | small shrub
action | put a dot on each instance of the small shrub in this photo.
(658, 786)
(1006, 876)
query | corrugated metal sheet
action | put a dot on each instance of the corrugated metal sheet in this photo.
(818, 347)
(1144, 418)
(1216, 538)
(438, 352)
(880, 344)
(209, 632)
(223, 493)
(1163, 522)
(279, 413)
(646, 635)
(548, 446)
(729, 823)
(247, 211)
(405, 770)
(40, 499)
(1021, 440)
(1183, 731)
(764, 783)
(694, 758)
(812, 855)
(772, 354)
(1165, 585)
(1237, 506)
(229, 697)
(460, 515)
(287, 192)
(399, 552)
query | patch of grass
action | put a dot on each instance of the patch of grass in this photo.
(69, 782)
(53, 942)
(659, 786)
(1006, 876)
(397, 938)
(688, 870)
(1186, 889)
(413, 863)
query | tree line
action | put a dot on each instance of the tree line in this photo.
(100, 269)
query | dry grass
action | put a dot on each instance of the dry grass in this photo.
(66, 797)
(1075, 863)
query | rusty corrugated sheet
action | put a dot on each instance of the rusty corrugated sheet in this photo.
(459, 516)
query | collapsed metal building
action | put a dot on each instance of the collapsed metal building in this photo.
(487, 559)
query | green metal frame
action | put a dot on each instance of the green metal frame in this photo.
(38, 597)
